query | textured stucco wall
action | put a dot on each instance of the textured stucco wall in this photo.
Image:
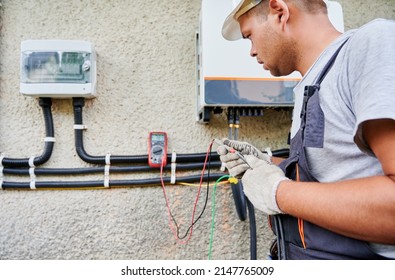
(146, 82)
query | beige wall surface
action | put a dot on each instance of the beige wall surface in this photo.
(146, 82)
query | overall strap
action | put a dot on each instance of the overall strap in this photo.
(329, 65)
(310, 90)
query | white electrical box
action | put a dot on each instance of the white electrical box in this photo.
(58, 68)
(226, 75)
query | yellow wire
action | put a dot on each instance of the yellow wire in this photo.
(197, 185)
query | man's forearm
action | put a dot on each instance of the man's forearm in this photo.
(361, 208)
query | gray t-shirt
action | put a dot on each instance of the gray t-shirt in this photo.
(359, 87)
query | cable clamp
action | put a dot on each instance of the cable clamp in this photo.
(80, 127)
(173, 173)
(31, 173)
(107, 171)
(33, 185)
(50, 139)
(173, 167)
(108, 159)
(107, 176)
(31, 161)
(32, 178)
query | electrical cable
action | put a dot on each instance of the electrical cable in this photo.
(78, 104)
(57, 185)
(207, 192)
(119, 169)
(253, 237)
(45, 104)
(213, 204)
(279, 230)
(193, 221)
(240, 203)
(237, 192)
(236, 124)
(230, 122)
(197, 185)
(113, 169)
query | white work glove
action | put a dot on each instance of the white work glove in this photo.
(235, 165)
(260, 184)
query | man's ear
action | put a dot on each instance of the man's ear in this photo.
(279, 9)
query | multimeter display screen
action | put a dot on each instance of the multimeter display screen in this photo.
(158, 137)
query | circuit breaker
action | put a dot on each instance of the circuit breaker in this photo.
(57, 68)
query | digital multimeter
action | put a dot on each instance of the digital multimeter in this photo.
(157, 149)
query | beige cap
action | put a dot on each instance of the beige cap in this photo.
(231, 27)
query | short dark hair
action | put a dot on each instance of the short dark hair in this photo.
(308, 6)
(261, 10)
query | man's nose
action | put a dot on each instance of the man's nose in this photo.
(253, 52)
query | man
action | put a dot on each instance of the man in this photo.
(340, 201)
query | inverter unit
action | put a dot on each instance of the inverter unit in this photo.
(226, 76)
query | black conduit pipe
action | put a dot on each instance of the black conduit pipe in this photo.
(45, 104)
(239, 199)
(240, 206)
(78, 104)
(113, 169)
(253, 239)
(237, 189)
(112, 183)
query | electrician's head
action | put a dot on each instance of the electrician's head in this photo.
(260, 8)
(275, 29)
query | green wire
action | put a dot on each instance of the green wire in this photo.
(213, 214)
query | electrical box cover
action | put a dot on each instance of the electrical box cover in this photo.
(58, 68)
(226, 74)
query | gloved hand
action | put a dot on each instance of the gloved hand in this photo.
(232, 161)
(260, 184)
(245, 148)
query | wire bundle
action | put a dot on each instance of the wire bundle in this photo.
(172, 221)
